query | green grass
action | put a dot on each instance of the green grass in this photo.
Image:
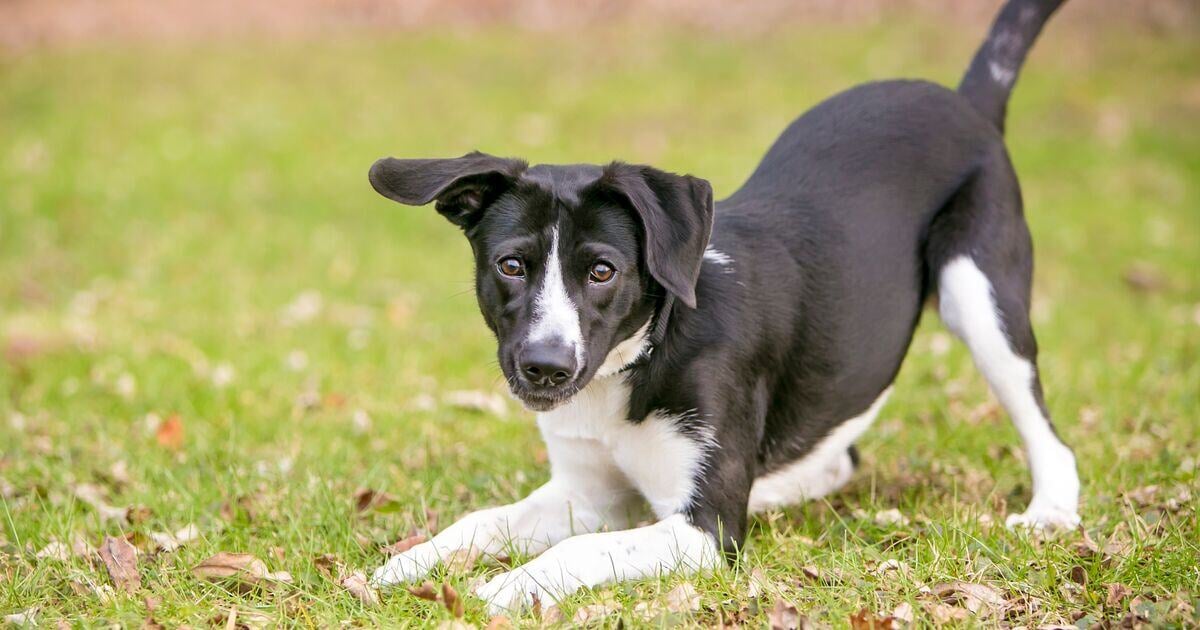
(160, 208)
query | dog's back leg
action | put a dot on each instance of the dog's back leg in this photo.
(981, 257)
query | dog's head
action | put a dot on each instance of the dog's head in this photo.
(569, 260)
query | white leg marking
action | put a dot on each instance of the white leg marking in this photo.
(969, 310)
(555, 315)
(824, 469)
(625, 352)
(671, 544)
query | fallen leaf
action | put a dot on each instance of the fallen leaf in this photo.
(167, 542)
(943, 614)
(783, 616)
(759, 584)
(55, 550)
(454, 624)
(451, 600)
(23, 618)
(1142, 277)
(904, 612)
(327, 565)
(551, 615)
(93, 496)
(366, 499)
(356, 583)
(499, 622)
(979, 599)
(890, 517)
(462, 560)
(1078, 575)
(866, 620)
(241, 568)
(169, 433)
(120, 558)
(683, 598)
(404, 544)
(425, 591)
(472, 400)
(1117, 593)
(593, 612)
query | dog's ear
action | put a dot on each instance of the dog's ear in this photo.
(462, 186)
(677, 214)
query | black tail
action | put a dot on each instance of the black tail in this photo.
(992, 73)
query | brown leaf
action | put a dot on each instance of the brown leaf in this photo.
(1117, 593)
(979, 599)
(356, 583)
(425, 591)
(169, 433)
(593, 612)
(55, 550)
(120, 559)
(683, 598)
(241, 568)
(866, 620)
(904, 612)
(402, 545)
(499, 622)
(93, 496)
(551, 615)
(451, 600)
(462, 560)
(168, 541)
(783, 616)
(367, 499)
(1078, 575)
(327, 565)
(943, 613)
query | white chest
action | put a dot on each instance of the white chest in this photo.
(590, 443)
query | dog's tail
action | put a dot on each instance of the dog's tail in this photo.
(992, 73)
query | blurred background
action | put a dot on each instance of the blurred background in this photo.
(197, 282)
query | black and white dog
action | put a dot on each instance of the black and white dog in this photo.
(716, 361)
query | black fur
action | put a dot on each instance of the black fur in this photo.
(835, 239)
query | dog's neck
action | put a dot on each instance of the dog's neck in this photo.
(627, 352)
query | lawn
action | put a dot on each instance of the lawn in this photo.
(209, 318)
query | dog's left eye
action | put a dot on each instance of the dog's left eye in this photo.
(601, 272)
(511, 267)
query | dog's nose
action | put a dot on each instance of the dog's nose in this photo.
(548, 365)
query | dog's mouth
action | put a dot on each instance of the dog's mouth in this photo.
(540, 400)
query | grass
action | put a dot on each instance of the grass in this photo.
(187, 231)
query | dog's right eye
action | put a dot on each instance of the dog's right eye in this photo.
(511, 267)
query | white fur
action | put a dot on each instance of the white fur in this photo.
(670, 545)
(718, 257)
(601, 465)
(554, 314)
(1000, 74)
(626, 352)
(824, 469)
(969, 310)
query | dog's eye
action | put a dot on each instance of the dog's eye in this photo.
(601, 272)
(511, 267)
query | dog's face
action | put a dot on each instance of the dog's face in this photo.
(569, 260)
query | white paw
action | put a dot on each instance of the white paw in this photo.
(516, 590)
(1044, 519)
(401, 568)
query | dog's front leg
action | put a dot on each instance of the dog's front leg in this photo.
(551, 513)
(670, 545)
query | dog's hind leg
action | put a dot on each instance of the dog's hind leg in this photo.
(980, 250)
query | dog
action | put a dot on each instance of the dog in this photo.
(718, 360)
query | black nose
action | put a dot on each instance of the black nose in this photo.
(548, 365)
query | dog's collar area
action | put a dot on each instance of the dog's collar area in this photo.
(658, 333)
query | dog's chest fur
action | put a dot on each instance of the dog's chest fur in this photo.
(589, 438)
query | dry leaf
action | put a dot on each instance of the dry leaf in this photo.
(23, 618)
(462, 560)
(1142, 277)
(93, 496)
(866, 620)
(402, 545)
(425, 591)
(471, 400)
(683, 598)
(890, 517)
(367, 499)
(167, 542)
(759, 584)
(979, 599)
(1078, 575)
(451, 600)
(54, 551)
(454, 624)
(594, 612)
(499, 622)
(1117, 593)
(241, 568)
(356, 583)
(169, 433)
(943, 614)
(551, 615)
(783, 616)
(120, 558)
(904, 612)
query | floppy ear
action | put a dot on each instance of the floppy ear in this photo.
(462, 186)
(677, 215)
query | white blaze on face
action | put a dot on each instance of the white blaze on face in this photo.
(554, 314)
